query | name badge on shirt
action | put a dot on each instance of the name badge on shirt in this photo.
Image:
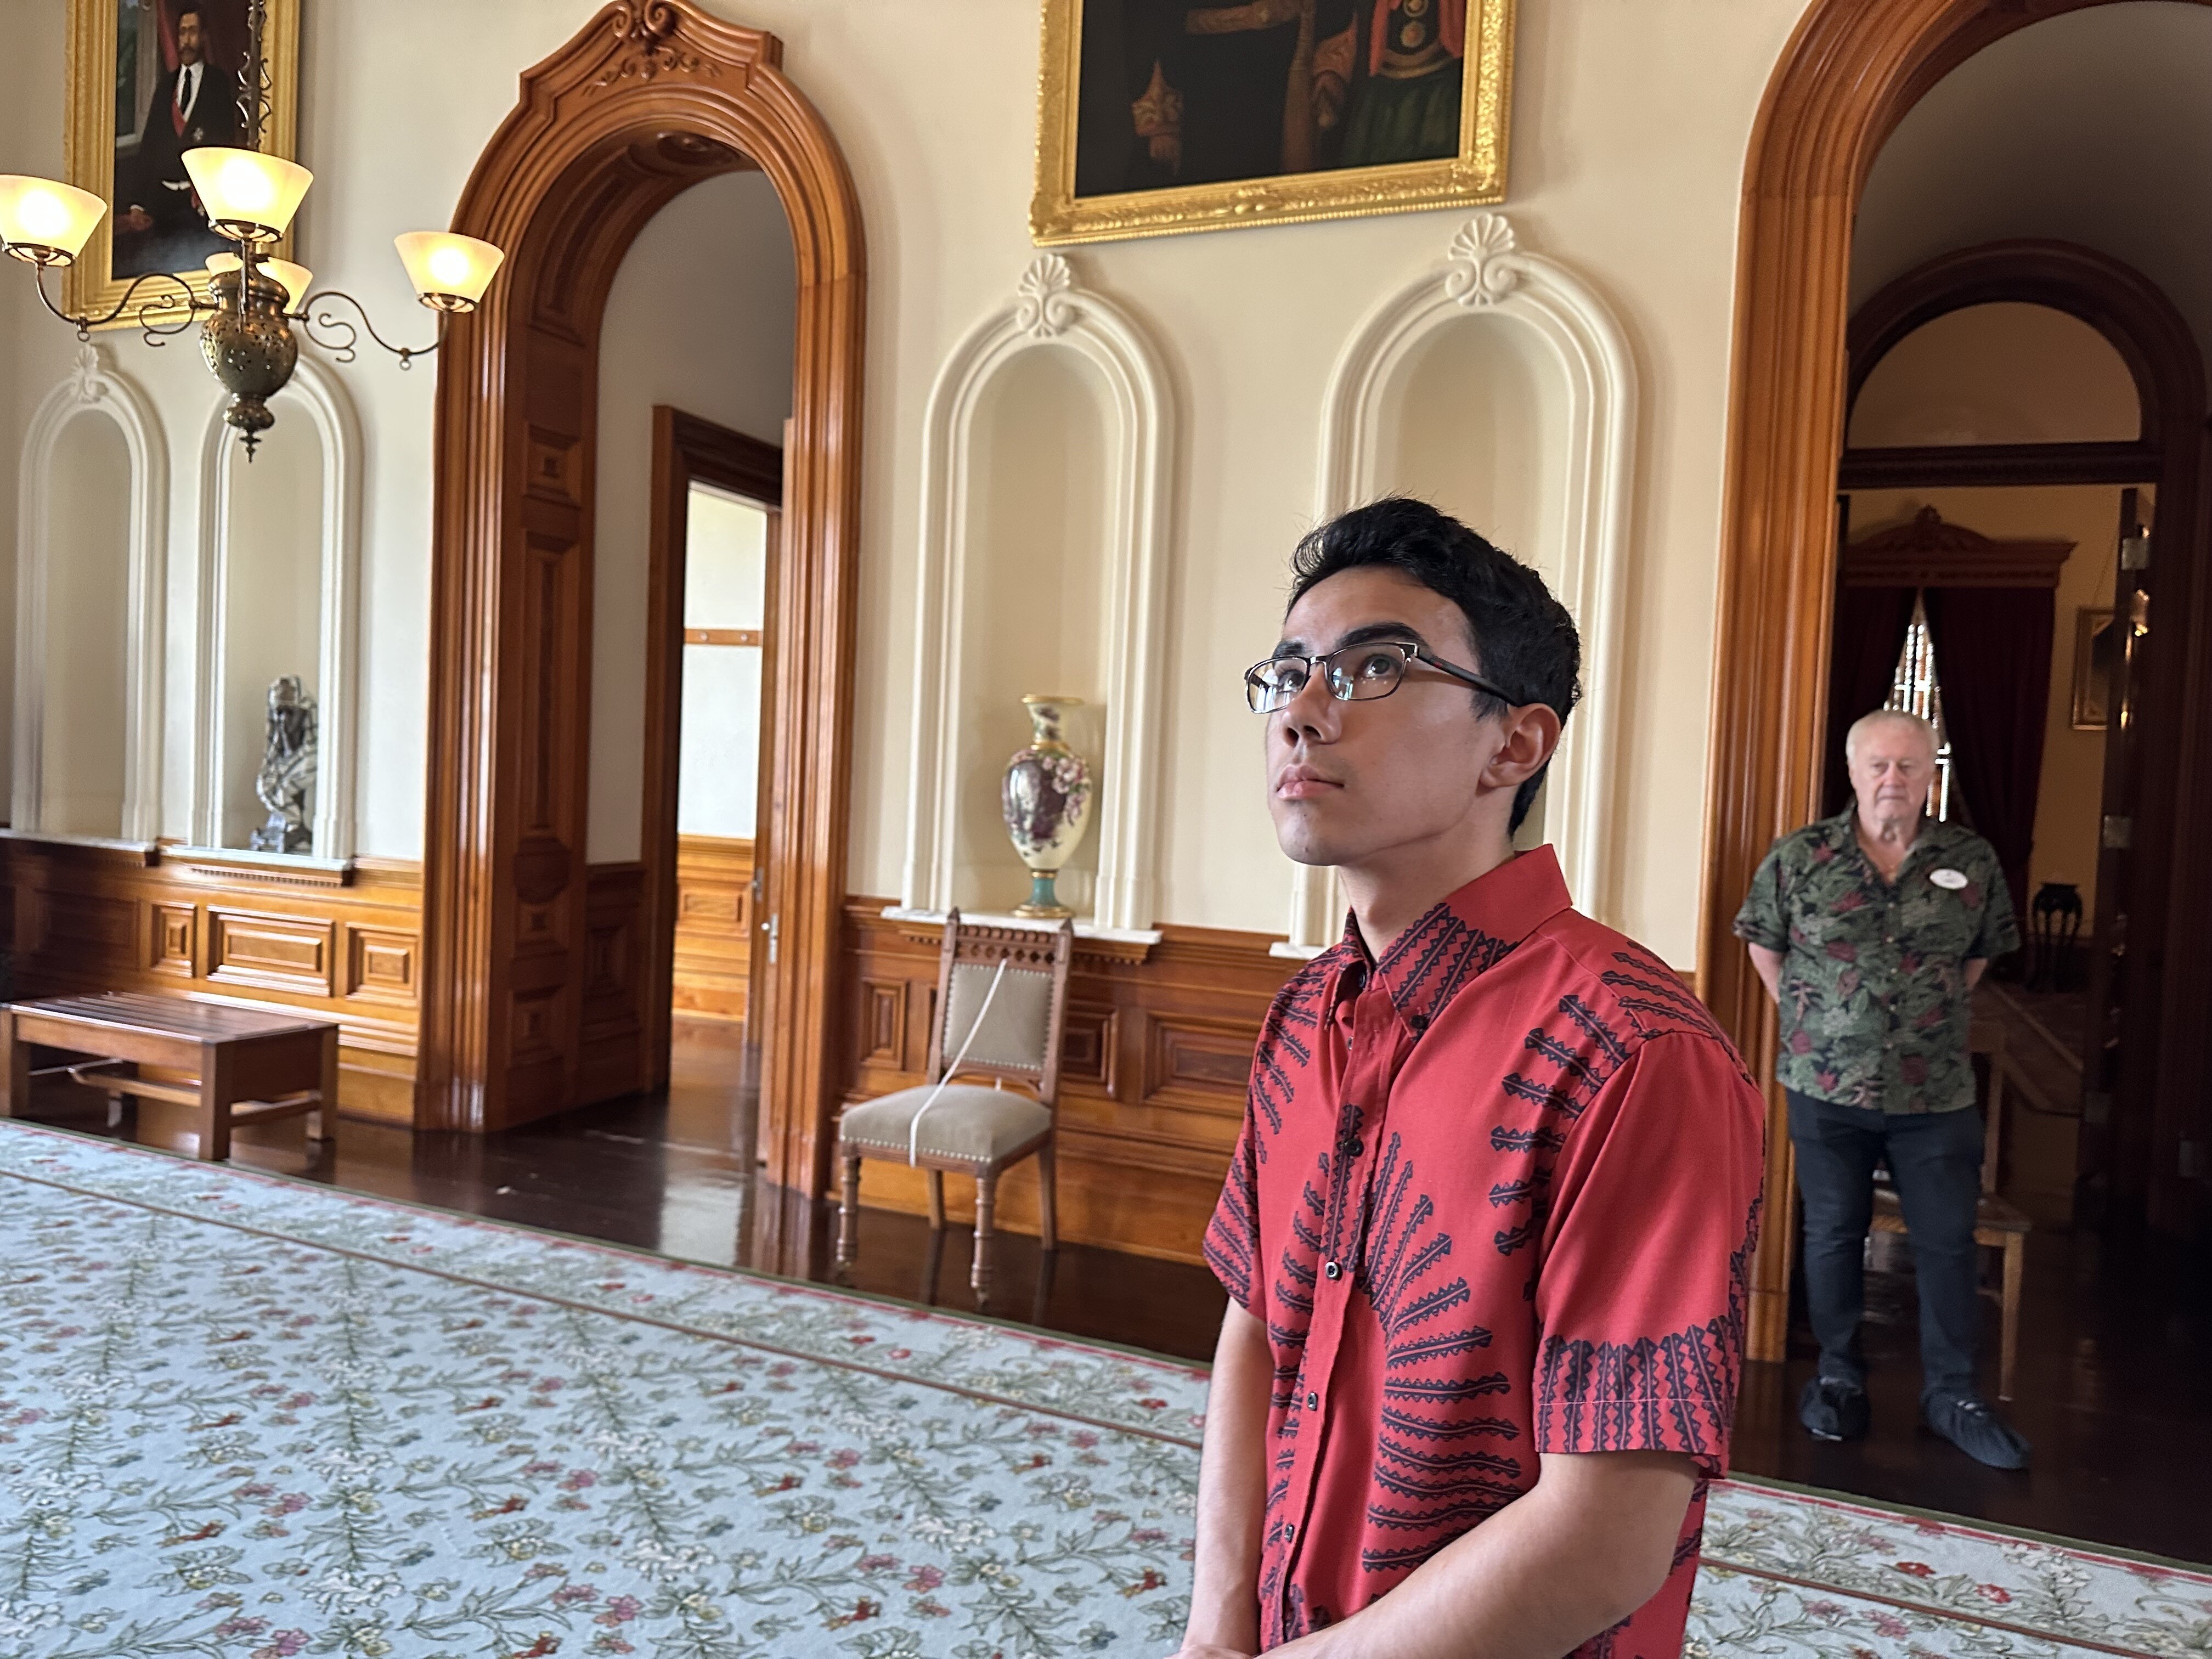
(1949, 880)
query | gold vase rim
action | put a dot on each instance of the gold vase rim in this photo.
(1034, 698)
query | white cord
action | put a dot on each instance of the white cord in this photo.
(914, 1129)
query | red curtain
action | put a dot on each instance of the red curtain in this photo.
(1993, 660)
(1863, 653)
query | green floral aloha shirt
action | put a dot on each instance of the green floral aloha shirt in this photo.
(1874, 1004)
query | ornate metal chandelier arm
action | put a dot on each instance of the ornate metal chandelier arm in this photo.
(345, 337)
(192, 304)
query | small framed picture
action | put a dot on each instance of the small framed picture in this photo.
(1156, 118)
(2096, 658)
(148, 81)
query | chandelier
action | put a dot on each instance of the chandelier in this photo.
(256, 305)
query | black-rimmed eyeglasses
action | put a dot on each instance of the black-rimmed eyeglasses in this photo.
(1352, 673)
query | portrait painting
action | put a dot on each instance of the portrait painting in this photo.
(1160, 116)
(149, 81)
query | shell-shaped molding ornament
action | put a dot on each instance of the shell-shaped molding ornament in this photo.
(1045, 302)
(1484, 266)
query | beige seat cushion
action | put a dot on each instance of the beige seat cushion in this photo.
(968, 1121)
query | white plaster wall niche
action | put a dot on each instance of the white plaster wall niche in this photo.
(1005, 595)
(66, 514)
(1420, 401)
(278, 590)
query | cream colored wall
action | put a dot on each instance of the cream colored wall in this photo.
(726, 570)
(1629, 129)
(1999, 374)
(82, 756)
(273, 620)
(2069, 802)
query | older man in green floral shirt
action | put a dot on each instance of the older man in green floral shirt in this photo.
(1870, 930)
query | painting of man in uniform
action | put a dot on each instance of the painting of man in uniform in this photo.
(1173, 94)
(176, 77)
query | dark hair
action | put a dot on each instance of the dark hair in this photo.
(1524, 638)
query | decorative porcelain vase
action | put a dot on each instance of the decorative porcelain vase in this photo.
(1045, 798)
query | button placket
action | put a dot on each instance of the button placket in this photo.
(1371, 1062)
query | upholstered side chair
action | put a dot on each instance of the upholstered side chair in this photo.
(1002, 1004)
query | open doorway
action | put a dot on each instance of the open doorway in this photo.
(710, 727)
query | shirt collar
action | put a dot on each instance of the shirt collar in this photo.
(1933, 835)
(1463, 935)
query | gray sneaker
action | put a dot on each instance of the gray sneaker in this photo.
(1832, 1409)
(1972, 1424)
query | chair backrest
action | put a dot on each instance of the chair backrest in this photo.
(1019, 1036)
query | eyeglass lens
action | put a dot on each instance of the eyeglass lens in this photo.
(1359, 673)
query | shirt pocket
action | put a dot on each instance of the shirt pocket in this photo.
(1938, 922)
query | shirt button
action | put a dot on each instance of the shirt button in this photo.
(1289, 1531)
(1313, 1401)
(1333, 1271)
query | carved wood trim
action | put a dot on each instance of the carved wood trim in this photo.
(1849, 72)
(1929, 466)
(686, 450)
(644, 101)
(1927, 552)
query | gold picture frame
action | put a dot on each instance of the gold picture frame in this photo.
(1473, 176)
(2094, 652)
(93, 141)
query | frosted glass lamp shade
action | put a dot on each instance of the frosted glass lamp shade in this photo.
(45, 223)
(294, 279)
(249, 197)
(450, 273)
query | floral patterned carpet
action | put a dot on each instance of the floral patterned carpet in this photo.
(248, 1417)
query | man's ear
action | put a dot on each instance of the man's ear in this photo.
(1532, 734)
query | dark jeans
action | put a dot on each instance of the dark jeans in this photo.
(1935, 1161)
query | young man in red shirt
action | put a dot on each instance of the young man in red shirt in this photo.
(1487, 1231)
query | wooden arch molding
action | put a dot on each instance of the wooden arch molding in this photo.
(649, 98)
(1851, 71)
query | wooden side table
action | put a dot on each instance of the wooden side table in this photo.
(252, 1067)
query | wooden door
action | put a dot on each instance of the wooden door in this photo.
(2115, 1124)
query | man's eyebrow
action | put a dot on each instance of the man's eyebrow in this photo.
(1363, 635)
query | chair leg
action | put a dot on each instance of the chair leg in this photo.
(849, 1213)
(937, 1200)
(2008, 1343)
(1048, 1198)
(986, 1194)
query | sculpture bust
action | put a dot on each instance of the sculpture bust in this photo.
(288, 767)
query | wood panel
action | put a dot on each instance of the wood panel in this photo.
(343, 945)
(713, 953)
(642, 102)
(1849, 72)
(1158, 1050)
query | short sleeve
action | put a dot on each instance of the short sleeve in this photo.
(1232, 1237)
(2000, 929)
(1760, 921)
(1642, 1293)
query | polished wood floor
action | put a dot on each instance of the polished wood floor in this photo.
(2116, 1383)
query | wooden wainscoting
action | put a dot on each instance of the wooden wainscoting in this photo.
(714, 926)
(344, 943)
(1159, 1046)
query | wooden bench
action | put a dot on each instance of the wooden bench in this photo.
(251, 1066)
(1998, 1224)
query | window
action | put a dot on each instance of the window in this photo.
(1916, 691)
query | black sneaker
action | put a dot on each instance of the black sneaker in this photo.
(1832, 1409)
(1972, 1424)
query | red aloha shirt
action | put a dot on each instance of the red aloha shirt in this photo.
(1495, 1196)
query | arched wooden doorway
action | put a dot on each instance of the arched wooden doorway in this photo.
(1849, 73)
(521, 984)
